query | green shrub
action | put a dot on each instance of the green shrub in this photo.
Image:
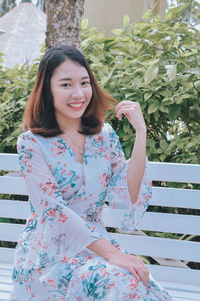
(155, 62)
(15, 87)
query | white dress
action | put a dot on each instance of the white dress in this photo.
(66, 198)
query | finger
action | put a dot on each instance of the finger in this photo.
(143, 274)
(126, 111)
(144, 278)
(130, 105)
(140, 275)
(133, 272)
(126, 103)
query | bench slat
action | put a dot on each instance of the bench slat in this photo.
(12, 185)
(183, 296)
(172, 223)
(14, 209)
(6, 266)
(4, 296)
(174, 197)
(9, 162)
(175, 172)
(159, 247)
(182, 287)
(6, 258)
(5, 287)
(176, 275)
(5, 279)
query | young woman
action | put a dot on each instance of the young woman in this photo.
(72, 162)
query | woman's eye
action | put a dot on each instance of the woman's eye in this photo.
(85, 83)
(66, 85)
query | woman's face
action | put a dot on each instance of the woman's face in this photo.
(71, 90)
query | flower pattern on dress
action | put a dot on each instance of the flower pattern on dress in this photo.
(52, 261)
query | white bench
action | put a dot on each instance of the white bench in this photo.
(182, 282)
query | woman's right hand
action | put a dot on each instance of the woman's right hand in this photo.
(133, 264)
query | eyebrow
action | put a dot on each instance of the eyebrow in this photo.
(67, 79)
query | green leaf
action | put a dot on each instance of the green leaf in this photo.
(126, 20)
(163, 109)
(117, 31)
(147, 95)
(84, 24)
(163, 145)
(197, 85)
(150, 74)
(152, 108)
(171, 71)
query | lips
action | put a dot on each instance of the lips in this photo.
(76, 106)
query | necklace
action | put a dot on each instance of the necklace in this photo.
(81, 150)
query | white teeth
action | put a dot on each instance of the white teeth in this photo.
(75, 105)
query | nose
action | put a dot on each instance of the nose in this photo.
(77, 92)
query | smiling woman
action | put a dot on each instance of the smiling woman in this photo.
(72, 163)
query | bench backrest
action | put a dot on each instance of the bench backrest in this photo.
(165, 249)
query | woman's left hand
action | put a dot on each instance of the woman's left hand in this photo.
(133, 112)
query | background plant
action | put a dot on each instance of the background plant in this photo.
(155, 62)
(15, 87)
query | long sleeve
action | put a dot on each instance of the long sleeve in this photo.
(118, 195)
(57, 230)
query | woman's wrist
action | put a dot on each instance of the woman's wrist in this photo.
(103, 248)
(141, 132)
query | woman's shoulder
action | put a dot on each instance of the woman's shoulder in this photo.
(108, 131)
(28, 137)
(107, 128)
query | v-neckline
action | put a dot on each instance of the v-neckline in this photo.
(71, 150)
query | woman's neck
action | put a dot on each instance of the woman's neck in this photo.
(70, 125)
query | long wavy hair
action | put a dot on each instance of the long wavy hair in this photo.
(39, 114)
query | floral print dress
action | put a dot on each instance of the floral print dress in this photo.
(52, 261)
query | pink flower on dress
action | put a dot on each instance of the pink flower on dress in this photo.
(62, 218)
(109, 286)
(100, 138)
(51, 282)
(51, 212)
(135, 284)
(101, 149)
(65, 259)
(84, 276)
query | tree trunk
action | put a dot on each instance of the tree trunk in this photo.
(64, 22)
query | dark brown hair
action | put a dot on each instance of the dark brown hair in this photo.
(39, 115)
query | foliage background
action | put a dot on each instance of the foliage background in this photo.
(155, 62)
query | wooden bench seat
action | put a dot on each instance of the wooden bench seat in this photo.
(170, 255)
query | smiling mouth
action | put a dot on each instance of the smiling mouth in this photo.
(76, 105)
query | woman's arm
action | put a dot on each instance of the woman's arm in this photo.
(137, 165)
(137, 161)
